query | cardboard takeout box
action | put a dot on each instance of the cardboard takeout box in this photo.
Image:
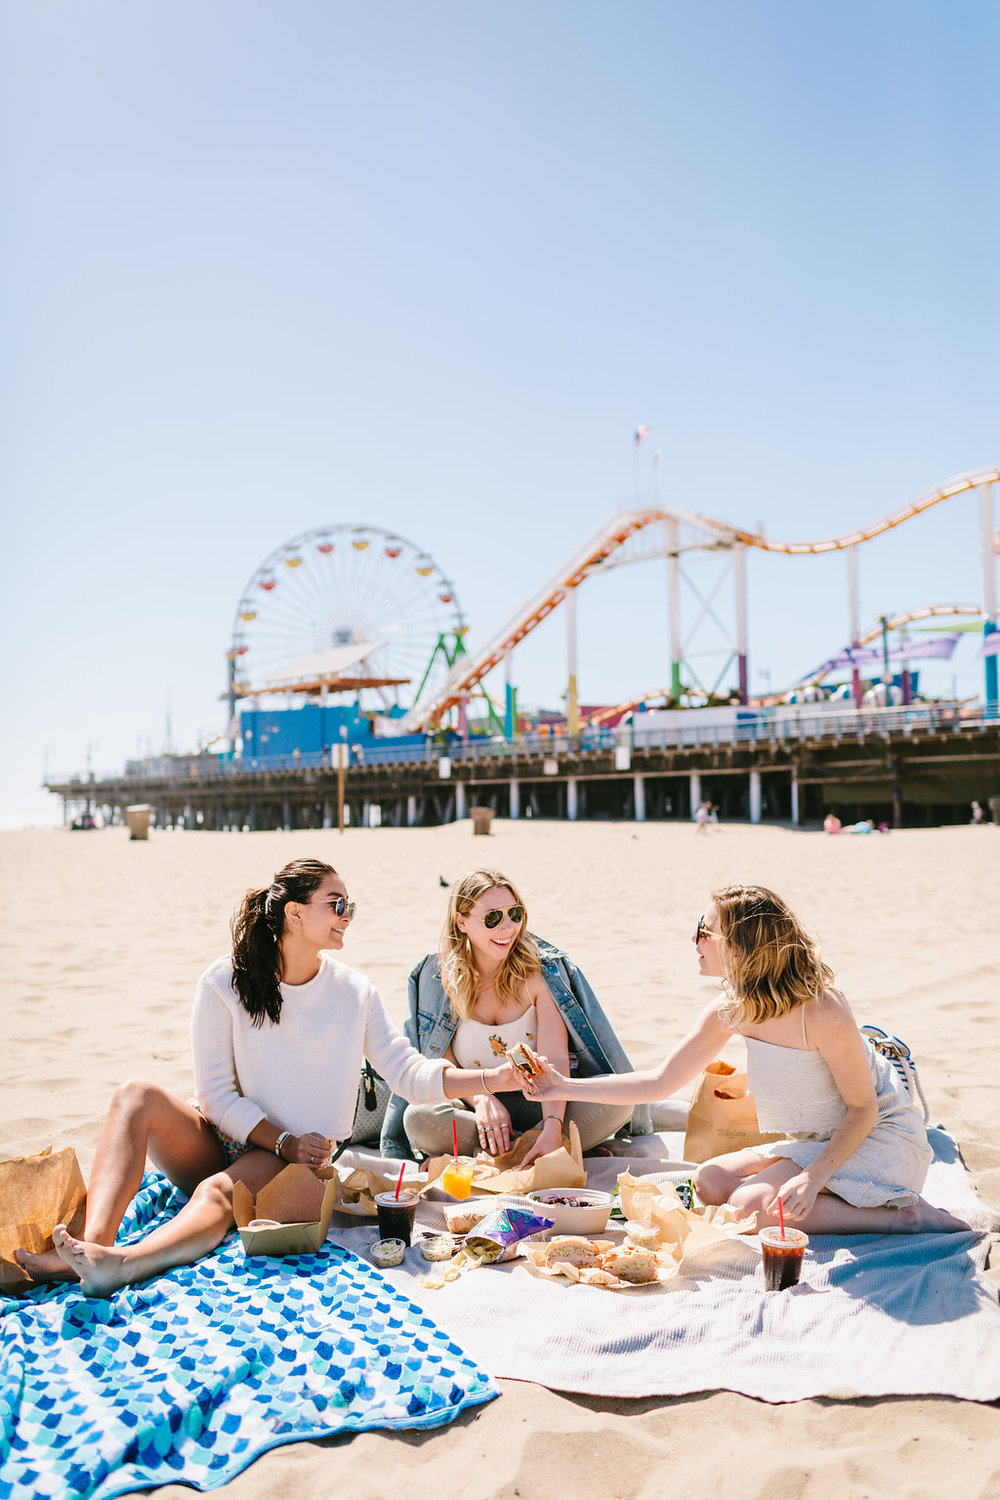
(300, 1201)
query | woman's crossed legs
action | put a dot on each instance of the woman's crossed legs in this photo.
(750, 1180)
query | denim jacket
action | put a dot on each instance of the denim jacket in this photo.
(593, 1046)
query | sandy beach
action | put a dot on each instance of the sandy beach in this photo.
(105, 939)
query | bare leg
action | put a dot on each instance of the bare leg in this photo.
(716, 1180)
(196, 1229)
(143, 1119)
(832, 1215)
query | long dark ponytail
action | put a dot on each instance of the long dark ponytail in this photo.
(257, 926)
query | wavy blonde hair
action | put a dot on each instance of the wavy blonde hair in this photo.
(771, 963)
(458, 972)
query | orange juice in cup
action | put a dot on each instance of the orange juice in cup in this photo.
(456, 1178)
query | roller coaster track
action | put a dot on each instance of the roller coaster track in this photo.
(956, 486)
(613, 537)
(925, 612)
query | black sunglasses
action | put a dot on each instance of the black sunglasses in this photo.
(494, 917)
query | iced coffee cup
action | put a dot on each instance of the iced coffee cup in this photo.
(782, 1257)
(395, 1215)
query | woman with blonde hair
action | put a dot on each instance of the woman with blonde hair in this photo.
(855, 1152)
(492, 984)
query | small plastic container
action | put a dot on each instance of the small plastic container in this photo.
(388, 1253)
(643, 1235)
(437, 1247)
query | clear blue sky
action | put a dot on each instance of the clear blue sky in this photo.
(266, 267)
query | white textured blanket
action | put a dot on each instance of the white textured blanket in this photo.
(875, 1315)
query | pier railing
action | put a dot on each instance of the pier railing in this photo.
(766, 727)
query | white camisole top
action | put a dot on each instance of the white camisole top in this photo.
(471, 1042)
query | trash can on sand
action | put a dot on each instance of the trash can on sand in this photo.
(481, 817)
(137, 818)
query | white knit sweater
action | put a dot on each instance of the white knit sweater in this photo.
(303, 1073)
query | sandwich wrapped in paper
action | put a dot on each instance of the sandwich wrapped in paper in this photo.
(524, 1060)
(598, 1262)
(677, 1236)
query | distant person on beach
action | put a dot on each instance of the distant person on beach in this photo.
(701, 817)
(280, 1031)
(491, 985)
(856, 1153)
(978, 816)
(831, 823)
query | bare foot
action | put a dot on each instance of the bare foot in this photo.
(101, 1269)
(49, 1266)
(923, 1216)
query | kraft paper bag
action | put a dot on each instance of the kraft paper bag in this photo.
(504, 1174)
(723, 1115)
(36, 1194)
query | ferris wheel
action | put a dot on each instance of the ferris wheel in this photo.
(346, 608)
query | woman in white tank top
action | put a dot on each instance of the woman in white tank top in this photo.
(855, 1151)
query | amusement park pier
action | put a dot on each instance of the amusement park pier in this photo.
(906, 767)
(337, 621)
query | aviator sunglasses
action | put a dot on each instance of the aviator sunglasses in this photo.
(701, 931)
(494, 917)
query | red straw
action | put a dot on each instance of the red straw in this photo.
(399, 1184)
(454, 1137)
(781, 1218)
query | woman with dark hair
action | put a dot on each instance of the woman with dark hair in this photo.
(280, 1029)
(855, 1152)
(491, 985)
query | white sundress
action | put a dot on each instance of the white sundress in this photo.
(796, 1095)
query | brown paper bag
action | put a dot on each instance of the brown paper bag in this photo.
(504, 1174)
(36, 1194)
(723, 1115)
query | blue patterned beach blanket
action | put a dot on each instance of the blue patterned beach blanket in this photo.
(188, 1378)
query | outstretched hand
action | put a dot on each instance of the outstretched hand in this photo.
(505, 1079)
(548, 1084)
